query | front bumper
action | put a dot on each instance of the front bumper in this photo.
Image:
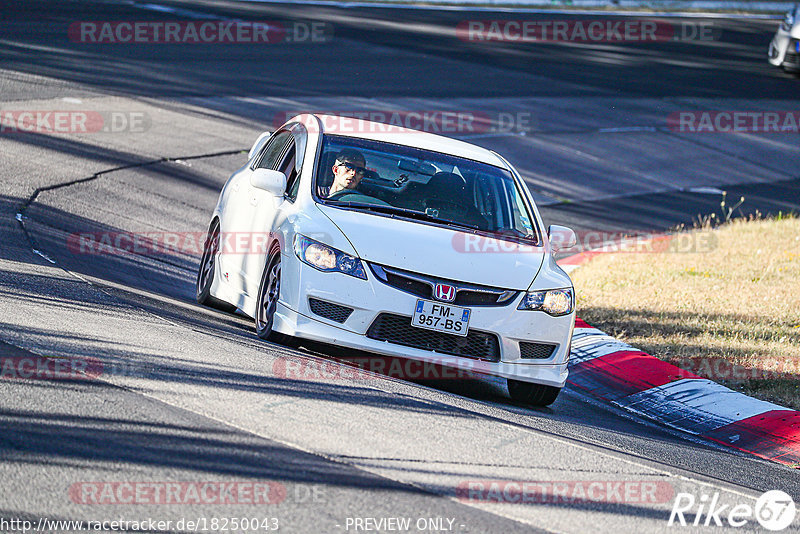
(370, 298)
(784, 51)
(791, 58)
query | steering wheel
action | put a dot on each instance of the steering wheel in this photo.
(349, 195)
(344, 192)
(442, 204)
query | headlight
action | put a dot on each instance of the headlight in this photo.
(788, 21)
(328, 259)
(554, 302)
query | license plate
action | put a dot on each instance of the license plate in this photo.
(441, 317)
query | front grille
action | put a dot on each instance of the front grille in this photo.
(409, 285)
(397, 329)
(422, 286)
(329, 310)
(535, 351)
(465, 297)
(792, 58)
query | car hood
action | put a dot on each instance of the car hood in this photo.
(436, 251)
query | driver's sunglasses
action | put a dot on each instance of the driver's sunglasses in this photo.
(351, 167)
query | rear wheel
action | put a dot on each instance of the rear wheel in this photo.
(205, 274)
(268, 294)
(533, 394)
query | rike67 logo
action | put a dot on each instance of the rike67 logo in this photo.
(774, 510)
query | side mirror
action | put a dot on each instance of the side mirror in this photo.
(271, 181)
(256, 148)
(561, 237)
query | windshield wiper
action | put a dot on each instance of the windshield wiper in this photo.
(411, 214)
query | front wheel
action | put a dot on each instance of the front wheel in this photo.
(268, 294)
(533, 394)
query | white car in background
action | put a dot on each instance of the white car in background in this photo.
(439, 255)
(784, 50)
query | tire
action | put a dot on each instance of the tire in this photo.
(269, 292)
(205, 274)
(533, 394)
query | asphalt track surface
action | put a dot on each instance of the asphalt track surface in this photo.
(190, 394)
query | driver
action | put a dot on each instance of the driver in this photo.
(348, 170)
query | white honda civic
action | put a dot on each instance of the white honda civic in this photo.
(397, 242)
(784, 49)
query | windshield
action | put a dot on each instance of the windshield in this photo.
(426, 186)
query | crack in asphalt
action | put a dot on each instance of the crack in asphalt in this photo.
(20, 216)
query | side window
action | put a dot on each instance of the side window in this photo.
(292, 185)
(288, 168)
(273, 151)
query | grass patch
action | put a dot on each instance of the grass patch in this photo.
(729, 312)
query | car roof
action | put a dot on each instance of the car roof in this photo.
(362, 129)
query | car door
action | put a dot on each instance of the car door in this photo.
(241, 232)
(265, 210)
